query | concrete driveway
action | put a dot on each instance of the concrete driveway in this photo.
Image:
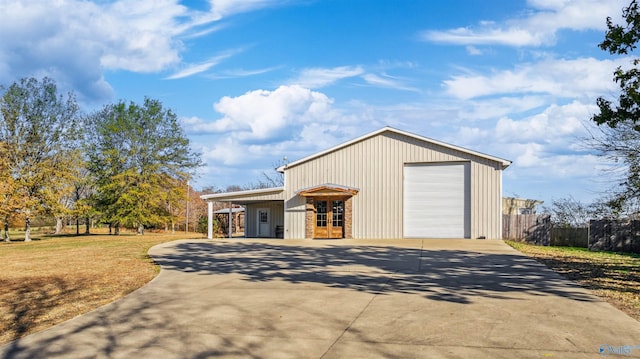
(344, 299)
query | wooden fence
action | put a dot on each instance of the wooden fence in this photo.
(614, 235)
(601, 235)
(570, 237)
(529, 228)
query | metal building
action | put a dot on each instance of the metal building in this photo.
(386, 184)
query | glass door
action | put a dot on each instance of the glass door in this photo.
(329, 218)
(322, 224)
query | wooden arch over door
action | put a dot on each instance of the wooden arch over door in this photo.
(328, 211)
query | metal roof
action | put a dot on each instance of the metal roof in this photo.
(226, 210)
(505, 163)
(276, 193)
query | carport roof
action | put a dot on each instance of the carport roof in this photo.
(250, 196)
(226, 210)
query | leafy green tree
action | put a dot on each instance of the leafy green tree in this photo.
(81, 197)
(622, 40)
(619, 140)
(38, 132)
(138, 155)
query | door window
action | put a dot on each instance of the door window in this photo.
(321, 214)
(337, 209)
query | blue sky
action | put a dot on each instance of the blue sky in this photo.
(253, 81)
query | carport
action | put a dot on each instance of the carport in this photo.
(264, 211)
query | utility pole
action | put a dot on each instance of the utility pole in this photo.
(186, 225)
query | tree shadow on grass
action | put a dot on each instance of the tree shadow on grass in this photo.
(29, 304)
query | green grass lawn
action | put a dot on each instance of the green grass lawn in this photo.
(612, 276)
(55, 278)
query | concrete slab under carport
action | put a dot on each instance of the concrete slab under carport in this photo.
(337, 299)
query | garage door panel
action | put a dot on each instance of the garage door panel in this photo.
(436, 200)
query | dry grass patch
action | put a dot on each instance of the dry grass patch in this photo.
(612, 276)
(53, 279)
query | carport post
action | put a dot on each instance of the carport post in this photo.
(230, 219)
(210, 220)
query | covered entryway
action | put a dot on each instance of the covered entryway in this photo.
(264, 211)
(329, 218)
(437, 200)
(328, 211)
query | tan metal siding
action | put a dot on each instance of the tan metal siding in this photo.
(375, 166)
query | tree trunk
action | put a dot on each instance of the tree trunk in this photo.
(77, 226)
(59, 225)
(140, 229)
(173, 227)
(6, 230)
(87, 223)
(117, 229)
(27, 229)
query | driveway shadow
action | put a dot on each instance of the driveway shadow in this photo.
(161, 321)
(447, 275)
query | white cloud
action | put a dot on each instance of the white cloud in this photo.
(583, 77)
(320, 77)
(472, 50)
(556, 124)
(492, 108)
(191, 70)
(74, 41)
(509, 37)
(547, 149)
(261, 126)
(387, 81)
(224, 8)
(265, 115)
(539, 27)
(548, 144)
(245, 73)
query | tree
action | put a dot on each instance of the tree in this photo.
(38, 131)
(8, 203)
(81, 195)
(569, 212)
(619, 140)
(138, 155)
(621, 40)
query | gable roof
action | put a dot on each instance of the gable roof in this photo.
(503, 162)
(328, 189)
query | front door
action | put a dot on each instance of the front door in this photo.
(329, 218)
(264, 222)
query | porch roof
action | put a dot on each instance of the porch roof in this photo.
(226, 210)
(328, 189)
(245, 197)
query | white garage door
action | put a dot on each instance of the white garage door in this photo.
(437, 200)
